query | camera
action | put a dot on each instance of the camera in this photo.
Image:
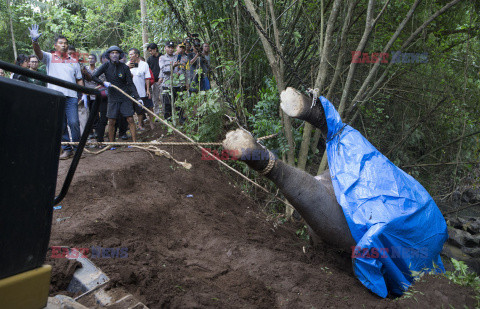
(198, 45)
(195, 42)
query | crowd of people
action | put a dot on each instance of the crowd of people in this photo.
(154, 83)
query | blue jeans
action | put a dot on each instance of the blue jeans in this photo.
(71, 117)
(204, 83)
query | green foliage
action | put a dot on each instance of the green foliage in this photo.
(204, 112)
(264, 119)
(411, 293)
(302, 233)
(411, 90)
(461, 275)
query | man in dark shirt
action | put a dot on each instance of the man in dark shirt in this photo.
(154, 66)
(22, 61)
(118, 74)
(34, 62)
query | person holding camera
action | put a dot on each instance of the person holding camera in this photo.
(205, 83)
(200, 66)
(206, 55)
(172, 77)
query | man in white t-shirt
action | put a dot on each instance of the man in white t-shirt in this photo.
(62, 66)
(141, 78)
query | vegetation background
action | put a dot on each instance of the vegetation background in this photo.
(423, 116)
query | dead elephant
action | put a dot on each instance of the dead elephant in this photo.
(363, 201)
(312, 197)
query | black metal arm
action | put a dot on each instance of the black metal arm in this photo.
(83, 139)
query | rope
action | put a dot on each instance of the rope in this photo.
(191, 140)
(315, 94)
(163, 153)
(270, 165)
(153, 143)
(155, 150)
(157, 143)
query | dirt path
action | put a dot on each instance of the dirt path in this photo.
(213, 250)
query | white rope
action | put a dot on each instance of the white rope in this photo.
(201, 148)
(315, 94)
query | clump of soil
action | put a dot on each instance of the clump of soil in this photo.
(216, 249)
(438, 290)
(62, 273)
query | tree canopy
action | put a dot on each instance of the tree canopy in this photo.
(420, 108)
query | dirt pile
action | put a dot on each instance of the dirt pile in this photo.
(195, 240)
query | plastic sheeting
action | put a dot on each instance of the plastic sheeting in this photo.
(397, 226)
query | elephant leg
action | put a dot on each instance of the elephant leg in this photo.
(310, 197)
(299, 106)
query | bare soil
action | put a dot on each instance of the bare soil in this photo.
(216, 249)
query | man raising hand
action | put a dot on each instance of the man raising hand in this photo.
(62, 66)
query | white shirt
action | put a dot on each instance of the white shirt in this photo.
(139, 75)
(67, 69)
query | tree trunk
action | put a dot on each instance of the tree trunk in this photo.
(404, 45)
(370, 24)
(11, 30)
(143, 11)
(376, 66)
(360, 48)
(307, 130)
(336, 76)
(277, 68)
(320, 80)
(278, 71)
(237, 11)
(338, 66)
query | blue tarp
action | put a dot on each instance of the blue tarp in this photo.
(397, 226)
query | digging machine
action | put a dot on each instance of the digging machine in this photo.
(30, 136)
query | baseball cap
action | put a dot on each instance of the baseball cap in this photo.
(181, 45)
(170, 43)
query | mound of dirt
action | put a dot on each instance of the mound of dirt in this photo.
(189, 239)
(62, 274)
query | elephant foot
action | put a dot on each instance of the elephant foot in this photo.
(294, 104)
(246, 148)
(299, 106)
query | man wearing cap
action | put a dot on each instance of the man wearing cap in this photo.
(180, 70)
(169, 76)
(172, 74)
(118, 74)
